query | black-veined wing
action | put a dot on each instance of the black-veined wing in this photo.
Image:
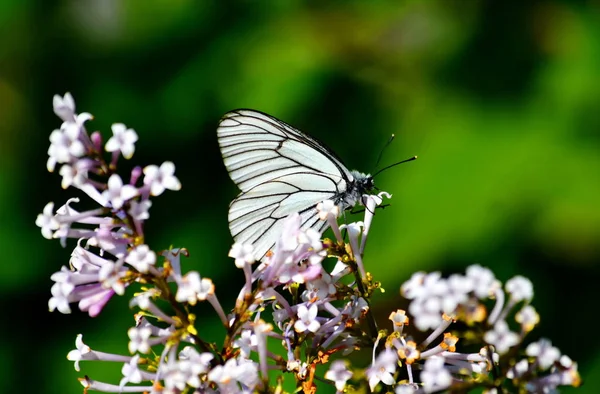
(280, 170)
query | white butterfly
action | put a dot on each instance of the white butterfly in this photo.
(280, 171)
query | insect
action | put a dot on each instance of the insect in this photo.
(280, 170)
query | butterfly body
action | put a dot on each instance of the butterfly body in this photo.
(280, 171)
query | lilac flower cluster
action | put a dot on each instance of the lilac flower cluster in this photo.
(318, 315)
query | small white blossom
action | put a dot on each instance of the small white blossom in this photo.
(338, 372)
(60, 297)
(75, 175)
(161, 178)
(242, 253)
(545, 353)
(141, 258)
(226, 376)
(483, 279)
(319, 288)
(307, 319)
(47, 221)
(110, 275)
(139, 210)
(64, 146)
(518, 369)
(327, 209)
(82, 352)
(501, 337)
(188, 288)
(528, 318)
(207, 288)
(138, 339)
(202, 359)
(383, 369)
(64, 107)
(519, 288)
(123, 140)
(117, 193)
(434, 376)
(131, 372)
(246, 343)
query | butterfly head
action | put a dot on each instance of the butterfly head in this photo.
(363, 183)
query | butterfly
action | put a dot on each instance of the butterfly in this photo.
(280, 171)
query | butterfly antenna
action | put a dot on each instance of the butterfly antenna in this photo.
(383, 149)
(395, 164)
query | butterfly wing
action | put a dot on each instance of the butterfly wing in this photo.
(280, 171)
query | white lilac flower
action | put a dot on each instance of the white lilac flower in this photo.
(110, 275)
(544, 352)
(426, 312)
(227, 376)
(123, 140)
(242, 253)
(175, 376)
(528, 318)
(382, 369)
(188, 288)
(82, 352)
(307, 319)
(246, 343)
(328, 208)
(65, 145)
(80, 284)
(191, 370)
(201, 359)
(118, 193)
(320, 288)
(338, 373)
(139, 210)
(141, 258)
(413, 288)
(409, 352)
(518, 370)
(160, 178)
(399, 319)
(247, 373)
(483, 279)
(138, 339)
(207, 289)
(60, 297)
(64, 107)
(293, 259)
(47, 221)
(75, 174)
(519, 288)
(435, 376)
(501, 337)
(131, 372)
(328, 211)
(459, 287)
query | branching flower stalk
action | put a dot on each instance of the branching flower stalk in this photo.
(474, 327)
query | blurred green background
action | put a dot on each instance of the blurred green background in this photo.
(499, 99)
